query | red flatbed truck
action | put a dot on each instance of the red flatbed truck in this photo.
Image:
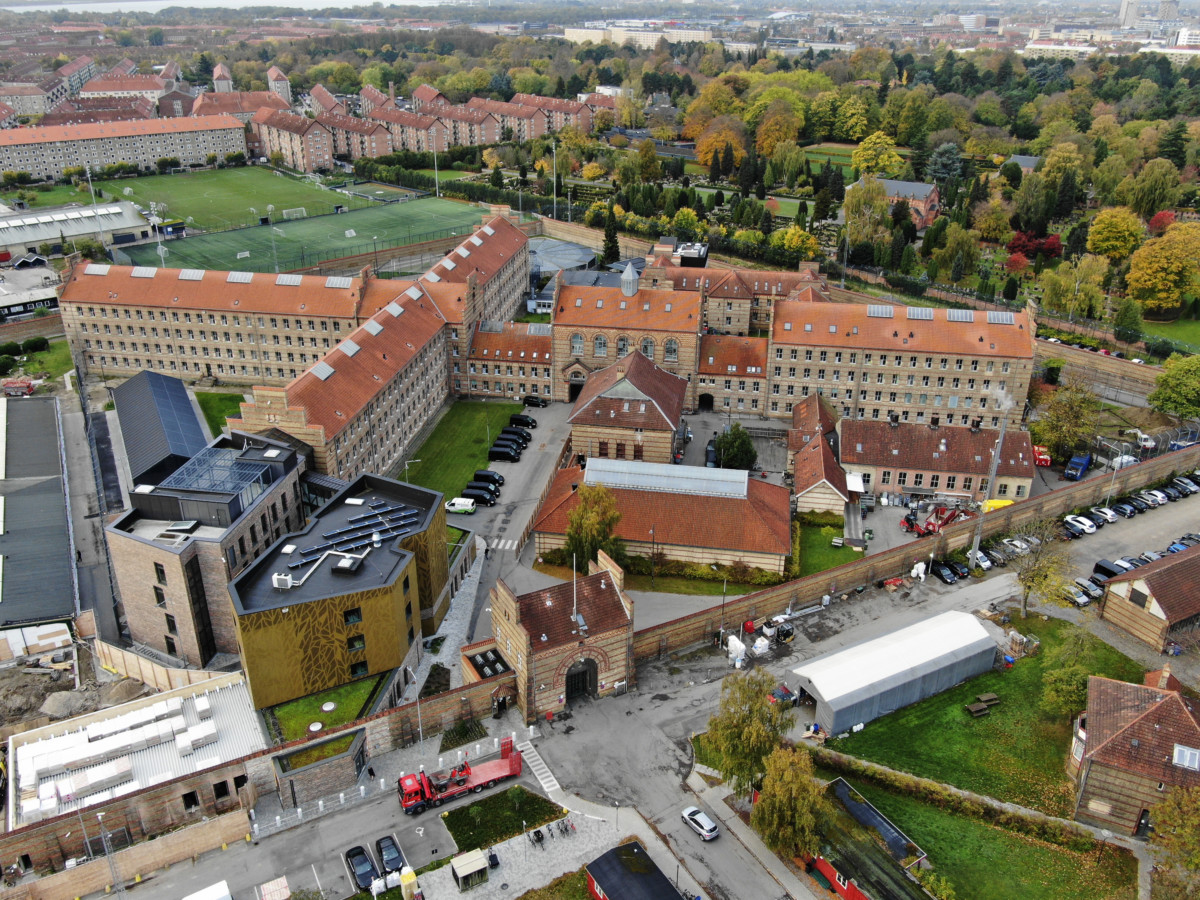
(421, 790)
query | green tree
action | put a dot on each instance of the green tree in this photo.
(792, 806)
(866, 206)
(1177, 388)
(497, 177)
(612, 247)
(1011, 172)
(1154, 188)
(155, 37)
(1172, 144)
(747, 727)
(1177, 833)
(1076, 288)
(1127, 321)
(1067, 419)
(650, 167)
(876, 155)
(1163, 271)
(1042, 572)
(1065, 679)
(1011, 288)
(735, 449)
(944, 163)
(1115, 233)
(958, 241)
(590, 525)
(685, 225)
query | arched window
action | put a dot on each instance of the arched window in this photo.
(622, 346)
(600, 345)
(577, 345)
(671, 351)
(648, 348)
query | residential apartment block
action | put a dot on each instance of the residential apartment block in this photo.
(324, 102)
(237, 326)
(305, 144)
(45, 152)
(413, 131)
(242, 105)
(508, 360)
(355, 138)
(520, 123)
(279, 84)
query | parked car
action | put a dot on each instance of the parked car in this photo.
(1190, 538)
(943, 572)
(1137, 503)
(1187, 484)
(1070, 530)
(484, 498)
(1150, 556)
(390, 856)
(785, 695)
(699, 822)
(960, 570)
(361, 867)
(1132, 562)
(1173, 493)
(1095, 518)
(1104, 513)
(997, 557)
(517, 432)
(535, 400)
(1017, 547)
(1090, 588)
(461, 505)
(1125, 510)
(503, 453)
(1151, 501)
(485, 486)
(979, 559)
(521, 420)
(1087, 526)
(488, 475)
(1178, 547)
(1074, 594)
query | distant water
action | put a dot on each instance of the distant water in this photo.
(110, 6)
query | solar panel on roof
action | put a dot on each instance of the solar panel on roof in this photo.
(395, 309)
(414, 292)
(875, 311)
(372, 327)
(338, 281)
(322, 370)
(191, 274)
(143, 272)
(960, 315)
(540, 329)
(1001, 317)
(239, 277)
(290, 280)
(923, 313)
(349, 347)
(96, 269)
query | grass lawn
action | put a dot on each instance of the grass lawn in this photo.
(984, 862)
(55, 360)
(458, 446)
(454, 537)
(534, 318)
(295, 716)
(298, 243)
(572, 886)
(218, 407)
(1016, 753)
(58, 195)
(499, 817)
(664, 584)
(817, 552)
(1187, 330)
(316, 753)
(445, 174)
(694, 169)
(223, 198)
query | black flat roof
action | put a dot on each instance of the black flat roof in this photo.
(38, 585)
(628, 872)
(336, 553)
(159, 425)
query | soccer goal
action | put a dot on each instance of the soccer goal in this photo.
(298, 213)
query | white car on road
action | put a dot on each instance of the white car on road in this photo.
(700, 823)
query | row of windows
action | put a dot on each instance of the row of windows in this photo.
(881, 378)
(483, 370)
(755, 386)
(176, 366)
(600, 347)
(200, 351)
(211, 318)
(972, 365)
(602, 450)
(287, 340)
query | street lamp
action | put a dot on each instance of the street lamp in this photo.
(1004, 403)
(407, 463)
(653, 559)
(724, 585)
(118, 887)
(420, 727)
(1115, 467)
(375, 245)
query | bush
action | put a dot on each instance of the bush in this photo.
(1160, 347)
(10, 348)
(905, 285)
(33, 345)
(821, 519)
(7, 364)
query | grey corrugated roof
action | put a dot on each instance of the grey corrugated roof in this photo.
(39, 226)
(908, 189)
(37, 584)
(158, 423)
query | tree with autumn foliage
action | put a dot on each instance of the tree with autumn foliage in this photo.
(721, 133)
(1165, 270)
(876, 155)
(1177, 835)
(1016, 264)
(791, 806)
(1160, 222)
(1115, 233)
(590, 525)
(747, 727)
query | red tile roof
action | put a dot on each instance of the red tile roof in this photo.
(221, 72)
(500, 108)
(373, 95)
(464, 114)
(333, 403)
(482, 254)
(814, 463)
(909, 446)
(212, 103)
(647, 310)
(548, 612)
(555, 103)
(404, 117)
(720, 352)
(113, 84)
(1172, 583)
(427, 93)
(631, 393)
(283, 120)
(80, 62)
(322, 98)
(349, 123)
(513, 343)
(276, 74)
(98, 131)
(738, 283)
(1135, 729)
(1163, 679)
(603, 101)
(851, 327)
(810, 417)
(116, 286)
(761, 522)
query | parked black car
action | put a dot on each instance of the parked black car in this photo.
(1137, 503)
(481, 498)
(1172, 491)
(1096, 519)
(503, 453)
(362, 867)
(1071, 531)
(1125, 510)
(485, 486)
(522, 421)
(390, 856)
(959, 569)
(488, 475)
(943, 572)
(517, 432)
(997, 558)
(535, 400)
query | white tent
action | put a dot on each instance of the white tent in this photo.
(869, 680)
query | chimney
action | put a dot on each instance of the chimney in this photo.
(392, 91)
(1164, 677)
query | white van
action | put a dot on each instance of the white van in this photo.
(462, 505)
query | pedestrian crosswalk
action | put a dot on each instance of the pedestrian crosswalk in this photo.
(502, 544)
(538, 766)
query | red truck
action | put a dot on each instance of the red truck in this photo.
(420, 791)
(1041, 456)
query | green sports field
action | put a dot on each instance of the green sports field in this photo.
(218, 199)
(306, 242)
